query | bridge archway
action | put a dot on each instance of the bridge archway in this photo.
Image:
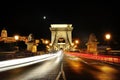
(61, 40)
(61, 36)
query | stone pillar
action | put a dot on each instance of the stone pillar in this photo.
(31, 46)
(34, 48)
(31, 43)
(92, 44)
(92, 47)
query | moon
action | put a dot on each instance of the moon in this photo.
(44, 17)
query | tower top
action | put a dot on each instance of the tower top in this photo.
(61, 25)
(4, 33)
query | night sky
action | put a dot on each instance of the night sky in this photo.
(86, 18)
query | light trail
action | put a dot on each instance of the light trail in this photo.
(16, 63)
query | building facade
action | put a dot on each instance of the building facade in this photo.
(7, 39)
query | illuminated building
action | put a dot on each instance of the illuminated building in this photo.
(4, 37)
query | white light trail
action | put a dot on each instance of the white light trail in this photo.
(16, 63)
(42, 72)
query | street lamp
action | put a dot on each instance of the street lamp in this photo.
(16, 37)
(46, 42)
(75, 44)
(76, 41)
(108, 37)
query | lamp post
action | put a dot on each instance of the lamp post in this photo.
(108, 37)
(47, 44)
(75, 44)
(16, 37)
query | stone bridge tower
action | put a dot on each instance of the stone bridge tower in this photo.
(61, 36)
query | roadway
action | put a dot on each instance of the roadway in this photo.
(77, 68)
(47, 69)
(66, 68)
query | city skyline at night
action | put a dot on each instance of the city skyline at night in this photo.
(59, 40)
(86, 18)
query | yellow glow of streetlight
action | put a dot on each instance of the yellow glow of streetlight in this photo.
(16, 37)
(76, 41)
(46, 41)
(107, 36)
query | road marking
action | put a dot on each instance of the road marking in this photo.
(61, 73)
